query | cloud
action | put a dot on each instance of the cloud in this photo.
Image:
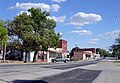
(59, 1)
(55, 7)
(81, 19)
(81, 32)
(42, 6)
(28, 13)
(93, 41)
(78, 27)
(59, 19)
(113, 34)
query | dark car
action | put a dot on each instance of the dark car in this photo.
(60, 59)
(13, 55)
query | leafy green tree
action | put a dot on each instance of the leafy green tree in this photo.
(102, 52)
(3, 33)
(45, 28)
(115, 48)
(3, 37)
(21, 27)
(14, 45)
(34, 31)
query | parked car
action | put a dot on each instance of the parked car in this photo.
(13, 55)
(60, 59)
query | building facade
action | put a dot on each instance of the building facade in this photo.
(84, 53)
(61, 50)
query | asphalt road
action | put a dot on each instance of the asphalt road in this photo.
(72, 72)
(74, 76)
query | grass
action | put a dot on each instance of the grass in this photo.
(117, 61)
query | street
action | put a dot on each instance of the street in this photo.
(91, 71)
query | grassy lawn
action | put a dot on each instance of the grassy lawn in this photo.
(117, 61)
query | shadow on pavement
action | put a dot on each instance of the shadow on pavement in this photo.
(73, 76)
(29, 81)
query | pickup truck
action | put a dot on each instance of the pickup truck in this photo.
(60, 59)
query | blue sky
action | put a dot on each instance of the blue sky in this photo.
(86, 23)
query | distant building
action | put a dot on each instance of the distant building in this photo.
(83, 53)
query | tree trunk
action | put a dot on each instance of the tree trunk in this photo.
(43, 56)
(34, 59)
(4, 52)
(26, 56)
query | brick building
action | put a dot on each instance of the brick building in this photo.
(63, 46)
(84, 53)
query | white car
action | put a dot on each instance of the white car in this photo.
(60, 59)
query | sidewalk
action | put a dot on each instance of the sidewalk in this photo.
(22, 62)
(8, 62)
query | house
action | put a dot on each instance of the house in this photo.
(83, 53)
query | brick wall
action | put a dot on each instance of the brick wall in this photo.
(63, 45)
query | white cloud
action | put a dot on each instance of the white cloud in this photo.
(59, 1)
(78, 27)
(55, 7)
(112, 34)
(81, 32)
(95, 40)
(59, 19)
(92, 43)
(28, 13)
(42, 6)
(81, 19)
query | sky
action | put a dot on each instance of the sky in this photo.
(83, 23)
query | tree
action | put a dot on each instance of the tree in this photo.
(3, 37)
(115, 48)
(102, 52)
(45, 28)
(34, 31)
(3, 33)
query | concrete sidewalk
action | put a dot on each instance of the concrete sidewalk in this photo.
(8, 62)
